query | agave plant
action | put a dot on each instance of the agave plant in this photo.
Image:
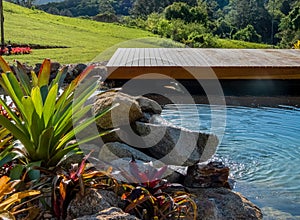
(44, 125)
(66, 184)
(9, 199)
(146, 198)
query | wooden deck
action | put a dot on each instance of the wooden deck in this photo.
(191, 63)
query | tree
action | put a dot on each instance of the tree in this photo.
(142, 8)
(199, 14)
(66, 12)
(245, 12)
(247, 34)
(178, 10)
(289, 28)
(105, 7)
(53, 10)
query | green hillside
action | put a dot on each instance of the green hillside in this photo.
(85, 39)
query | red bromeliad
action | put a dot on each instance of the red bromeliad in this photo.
(145, 196)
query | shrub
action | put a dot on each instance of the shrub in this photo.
(45, 124)
(247, 34)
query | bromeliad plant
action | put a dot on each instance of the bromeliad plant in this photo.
(44, 125)
(66, 184)
(146, 198)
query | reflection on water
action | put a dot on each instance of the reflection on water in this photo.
(262, 148)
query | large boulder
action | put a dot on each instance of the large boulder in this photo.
(91, 203)
(127, 111)
(115, 150)
(148, 105)
(223, 204)
(173, 145)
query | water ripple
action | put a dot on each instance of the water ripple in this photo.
(260, 145)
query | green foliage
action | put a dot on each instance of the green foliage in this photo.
(253, 12)
(205, 40)
(178, 10)
(45, 124)
(264, 16)
(237, 44)
(183, 11)
(290, 28)
(106, 17)
(247, 34)
(199, 14)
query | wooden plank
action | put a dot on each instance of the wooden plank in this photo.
(130, 57)
(188, 56)
(115, 59)
(159, 61)
(147, 57)
(163, 53)
(123, 57)
(136, 57)
(225, 63)
(141, 57)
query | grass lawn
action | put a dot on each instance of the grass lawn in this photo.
(237, 44)
(85, 39)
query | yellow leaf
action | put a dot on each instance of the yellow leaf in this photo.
(16, 197)
(6, 215)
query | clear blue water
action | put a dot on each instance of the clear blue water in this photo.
(262, 148)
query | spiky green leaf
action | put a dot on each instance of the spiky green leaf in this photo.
(49, 106)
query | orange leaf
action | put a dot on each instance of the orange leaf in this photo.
(4, 66)
(44, 74)
(62, 190)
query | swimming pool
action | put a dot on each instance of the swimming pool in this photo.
(262, 148)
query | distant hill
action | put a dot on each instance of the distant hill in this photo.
(42, 2)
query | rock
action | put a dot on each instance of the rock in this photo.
(115, 150)
(213, 174)
(126, 113)
(55, 67)
(74, 71)
(91, 203)
(222, 204)
(175, 146)
(79, 68)
(37, 68)
(148, 105)
(112, 213)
